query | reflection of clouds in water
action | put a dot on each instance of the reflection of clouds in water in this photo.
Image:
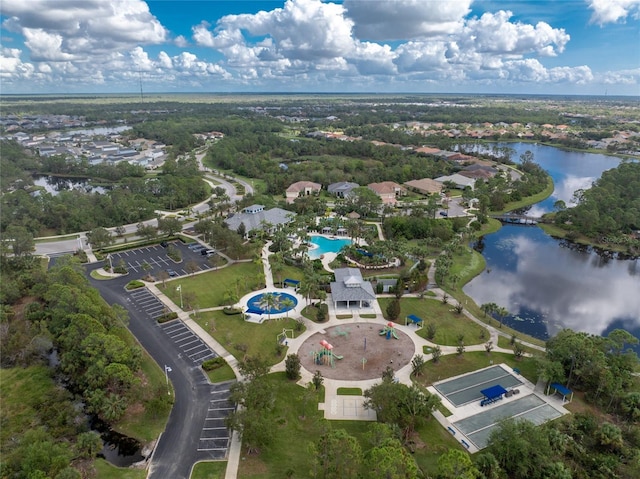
(537, 211)
(563, 287)
(565, 189)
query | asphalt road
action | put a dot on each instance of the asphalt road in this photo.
(195, 430)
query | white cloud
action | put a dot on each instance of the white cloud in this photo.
(59, 31)
(494, 33)
(621, 77)
(404, 19)
(612, 11)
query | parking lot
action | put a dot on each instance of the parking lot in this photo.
(191, 346)
(158, 261)
(214, 438)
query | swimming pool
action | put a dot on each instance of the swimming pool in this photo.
(258, 304)
(325, 245)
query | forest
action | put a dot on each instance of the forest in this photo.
(609, 209)
(131, 195)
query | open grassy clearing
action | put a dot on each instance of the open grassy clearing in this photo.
(242, 338)
(225, 373)
(449, 325)
(529, 200)
(104, 470)
(349, 392)
(209, 288)
(467, 264)
(288, 272)
(454, 365)
(209, 470)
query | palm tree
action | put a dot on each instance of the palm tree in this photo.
(288, 304)
(270, 301)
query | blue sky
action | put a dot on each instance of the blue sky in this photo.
(426, 46)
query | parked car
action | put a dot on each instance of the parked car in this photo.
(172, 273)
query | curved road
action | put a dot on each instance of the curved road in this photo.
(178, 448)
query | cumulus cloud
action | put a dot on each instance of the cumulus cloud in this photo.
(403, 19)
(612, 11)
(63, 31)
(494, 33)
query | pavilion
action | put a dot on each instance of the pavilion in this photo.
(350, 289)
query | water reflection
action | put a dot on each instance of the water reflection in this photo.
(546, 287)
(55, 184)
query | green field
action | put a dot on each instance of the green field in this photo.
(209, 288)
(242, 338)
(449, 325)
(209, 470)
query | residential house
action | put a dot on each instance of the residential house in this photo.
(342, 189)
(460, 182)
(302, 188)
(388, 191)
(425, 186)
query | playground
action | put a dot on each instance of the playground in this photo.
(344, 360)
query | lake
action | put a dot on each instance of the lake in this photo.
(549, 284)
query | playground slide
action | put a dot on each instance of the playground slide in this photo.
(338, 357)
(394, 334)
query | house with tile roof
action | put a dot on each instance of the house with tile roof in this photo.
(302, 188)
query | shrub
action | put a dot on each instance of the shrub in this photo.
(135, 284)
(292, 366)
(167, 317)
(231, 311)
(213, 364)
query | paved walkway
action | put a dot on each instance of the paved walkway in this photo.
(335, 407)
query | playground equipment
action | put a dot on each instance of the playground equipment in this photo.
(389, 331)
(325, 355)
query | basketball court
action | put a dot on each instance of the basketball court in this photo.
(472, 423)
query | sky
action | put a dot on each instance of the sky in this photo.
(581, 47)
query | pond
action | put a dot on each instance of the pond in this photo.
(55, 184)
(548, 284)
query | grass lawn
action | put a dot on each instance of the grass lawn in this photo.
(529, 200)
(299, 424)
(311, 312)
(449, 325)
(453, 365)
(288, 449)
(349, 392)
(242, 338)
(225, 373)
(209, 288)
(506, 343)
(467, 264)
(288, 272)
(104, 470)
(209, 470)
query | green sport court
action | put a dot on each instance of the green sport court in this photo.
(466, 389)
(471, 424)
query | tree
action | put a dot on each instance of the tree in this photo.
(20, 239)
(292, 366)
(317, 379)
(393, 310)
(148, 232)
(417, 365)
(397, 403)
(169, 225)
(100, 237)
(270, 302)
(488, 466)
(488, 347)
(337, 455)
(436, 353)
(389, 460)
(191, 267)
(456, 464)
(88, 444)
(431, 331)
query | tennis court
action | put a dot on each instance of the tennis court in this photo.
(478, 427)
(466, 389)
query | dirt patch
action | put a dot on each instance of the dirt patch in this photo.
(348, 341)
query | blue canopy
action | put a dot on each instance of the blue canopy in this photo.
(292, 281)
(414, 319)
(561, 389)
(493, 392)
